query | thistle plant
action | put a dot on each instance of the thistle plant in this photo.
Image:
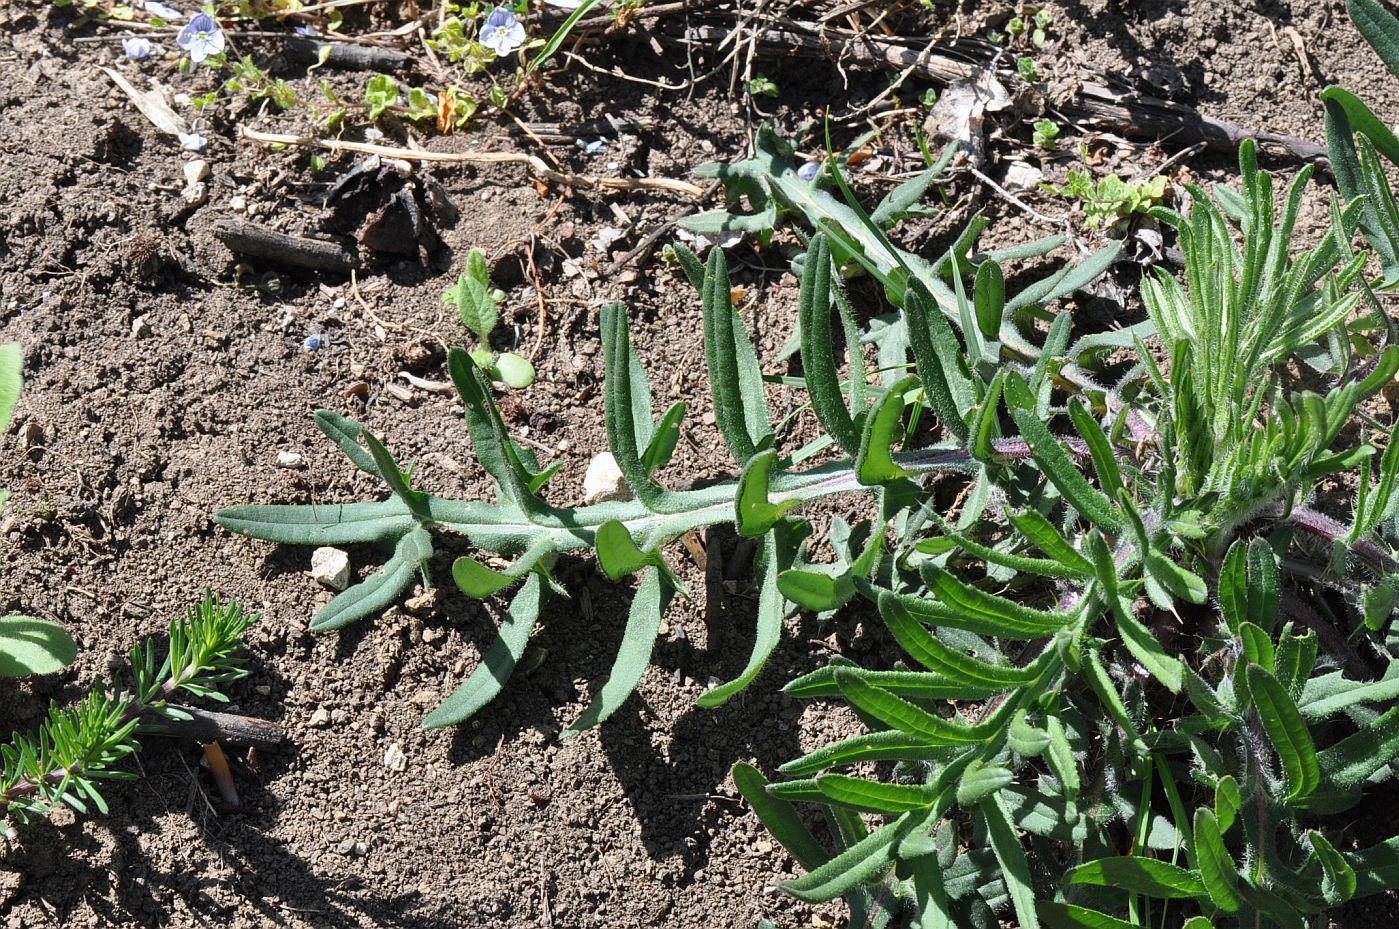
(630, 537)
(1141, 647)
(80, 746)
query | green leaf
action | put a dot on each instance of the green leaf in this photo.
(981, 781)
(1339, 882)
(33, 646)
(489, 678)
(935, 353)
(994, 612)
(1218, 872)
(769, 626)
(345, 433)
(1181, 582)
(633, 655)
(513, 371)
(815, 591)
(875, 796)
(1380, 29)
(874, 465)
(322, 524)
(899, 713)
(1134, 874)
(478, 581)
(852, 867)
(1354, 759)
(779, 817)
(378, 591)
(1063, 475)
(736, 384)
(1071, 916)
(818, 351)
(1033, 526)
(472, 297)
(617, 554)
(1104, 460)
(886, 745)
(1233, 586)
(11, 380)
(1138, 639)
(952, 664)
(1015, 869)
(1101, 684)
(755, 514)
(664, 439)
(988, 421)
(989, 298)
(1288, 733)
(1227, 801)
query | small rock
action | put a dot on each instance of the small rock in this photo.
(424, 602)
(238, 203)
(360, 850)
(33, 434)
(708, 418)
(394, 759)
(196, 171)
(195, 194)
(140, 329)
(330, 567)
(604, 480)
(290, 460)
(1022, 176)
(320, 719)
(346, 846)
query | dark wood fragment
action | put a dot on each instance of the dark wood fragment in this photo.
(208, 726)
(247, 238)
(344, 55)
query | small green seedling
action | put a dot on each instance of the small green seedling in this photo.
(477, 303)
(1046, 134)
(1111, 200)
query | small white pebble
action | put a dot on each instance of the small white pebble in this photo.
(330, 567)
(290, 460)
(604, 481)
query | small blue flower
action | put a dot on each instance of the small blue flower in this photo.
(163, 12)
(312, 343)
(595, 147)
(192, 141)
(808, 171)
(307, 30)
(201, 37)
(136, 48)
(502, 33)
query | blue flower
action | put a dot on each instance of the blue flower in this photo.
(202, 37)
(136, 48)
(163, 12)
(192, 141)
(808, 171)
(502, 33)
(307, 30)
(312, 343)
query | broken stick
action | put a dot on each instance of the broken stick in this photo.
(247, 238)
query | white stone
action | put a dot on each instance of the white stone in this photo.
(330, 567)
(320, 718)
(604, 481)
(196, 171)
(1022, 176)
(290, 460)
(394, 759)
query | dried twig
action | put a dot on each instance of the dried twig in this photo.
(533, 163)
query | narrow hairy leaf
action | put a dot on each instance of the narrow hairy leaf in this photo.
(1218, 872)
(1055, 464)
(852, 867)
(981, 781)
(1380, 29)
(901, 714)
(1041, 532)
(989, 298)
(1135, 874)
(886, 745)
(1071, 916)
(617, 553)
(1015, 868)
(378, 591)
(814, 590)
(345, 433)
(1227, 801)
(769, 627)
(779, 817)
(1101, 684)
(1099, 448)
(1288, 733)
(740, 406)
(875, 796)
(997, 611)
(755, 514)
(935, 353)
(489, 678)
(1339, 883)
(1355, 758)
(928, 651)
(1138, 639)
(633, 655)
(874, 464)
(818, 352)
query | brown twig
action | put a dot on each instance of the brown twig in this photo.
(209, 726)
(247, 238)
(533, 163)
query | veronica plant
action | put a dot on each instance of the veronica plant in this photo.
(477, 304)
(863, 421)
(78, 747)
(1143, 677)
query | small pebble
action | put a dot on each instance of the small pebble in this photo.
(290, 460)
(320, 719)
(330, 567)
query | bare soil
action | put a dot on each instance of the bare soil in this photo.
(163, 379)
